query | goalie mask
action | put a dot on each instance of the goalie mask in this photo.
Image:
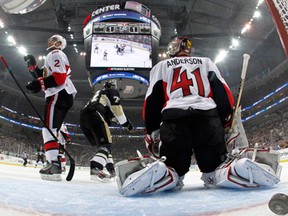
(56, 42)
(179, 44)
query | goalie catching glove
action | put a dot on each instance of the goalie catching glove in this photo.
(153, 143)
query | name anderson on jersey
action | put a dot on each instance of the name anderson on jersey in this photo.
(177, 61)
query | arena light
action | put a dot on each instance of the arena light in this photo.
(2, 24)
(234, 43)
(246, 28)
(260, 2)
(20, 6)
(41, 57)
(221, 56)
(22, 50)
(11, 39)
(256, 14)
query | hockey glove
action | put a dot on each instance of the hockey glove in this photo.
(33, 67)
(31, 62)
(128, 125)
(153, 143)
(36, 85)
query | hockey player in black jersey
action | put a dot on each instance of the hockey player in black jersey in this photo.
(95, 118)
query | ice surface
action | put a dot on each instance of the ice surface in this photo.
(23, 193)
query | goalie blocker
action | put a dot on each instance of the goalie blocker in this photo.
(144, 175)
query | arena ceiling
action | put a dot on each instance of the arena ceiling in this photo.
(211, 24)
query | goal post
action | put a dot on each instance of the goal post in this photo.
(279, 12)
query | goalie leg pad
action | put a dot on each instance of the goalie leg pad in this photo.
(258, 173)
(171, 181)
(147, 180)
(244, 173)
(126, 167)
(224, 178)
(264, 156)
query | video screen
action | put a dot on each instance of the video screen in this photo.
(121, 50)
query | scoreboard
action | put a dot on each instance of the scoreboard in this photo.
(121, 41)
(121, 28)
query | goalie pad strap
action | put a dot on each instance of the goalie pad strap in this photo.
(168, 182)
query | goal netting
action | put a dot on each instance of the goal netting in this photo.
(279, 11)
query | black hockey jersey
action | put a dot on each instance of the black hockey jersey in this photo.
(107, 103)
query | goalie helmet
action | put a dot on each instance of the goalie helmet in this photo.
(110, 84)
(179, 44)
(56, 41)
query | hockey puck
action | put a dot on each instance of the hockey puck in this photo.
(279, 204)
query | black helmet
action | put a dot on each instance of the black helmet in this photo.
(109, 84)
(179, 44)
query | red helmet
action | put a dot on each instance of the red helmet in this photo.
(178, 44)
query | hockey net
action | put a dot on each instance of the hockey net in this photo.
(279, 11)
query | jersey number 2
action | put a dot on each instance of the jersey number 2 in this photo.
(180, 80)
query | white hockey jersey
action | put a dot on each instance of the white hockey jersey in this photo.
(56, 62)
(185, 83)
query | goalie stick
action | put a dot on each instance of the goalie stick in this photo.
(246, 58)
(72, 162)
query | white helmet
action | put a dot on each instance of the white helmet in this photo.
(53, 40)
(179, 44)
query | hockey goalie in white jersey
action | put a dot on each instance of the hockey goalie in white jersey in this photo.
(187, 110)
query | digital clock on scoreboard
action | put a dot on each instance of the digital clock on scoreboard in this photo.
(121, 28)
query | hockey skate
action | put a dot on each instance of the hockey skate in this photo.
(111, 170)
(99, 175)
(52, 172)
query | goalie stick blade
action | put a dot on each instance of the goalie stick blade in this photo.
(279, 204)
